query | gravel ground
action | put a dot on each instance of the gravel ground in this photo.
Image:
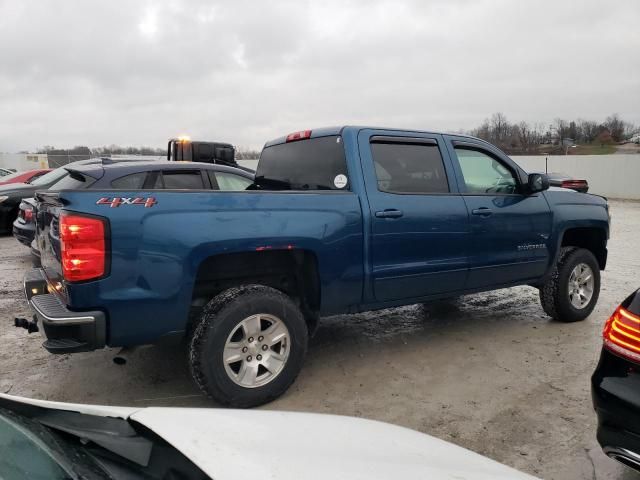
(489, 372)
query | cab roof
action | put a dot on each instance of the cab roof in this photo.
(329, 131)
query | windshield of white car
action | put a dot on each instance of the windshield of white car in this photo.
(25, 453)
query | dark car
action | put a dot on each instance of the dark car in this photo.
(134, 175)
(615, 385)
(11, 195)
(566, 181)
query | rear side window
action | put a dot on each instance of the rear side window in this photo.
(182, 180)
(135, 181)
(229, 181)
(313, 164)
(409, 168)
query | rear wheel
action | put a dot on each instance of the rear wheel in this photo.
(248, 346)
(572, 291)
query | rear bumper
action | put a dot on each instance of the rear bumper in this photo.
(615, 390)
(23, 233)
(7, 216)
(66, 331)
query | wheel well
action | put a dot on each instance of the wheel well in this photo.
(293, 272)
(592, 239)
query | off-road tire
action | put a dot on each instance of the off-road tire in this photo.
(218, 319)
(554, 293)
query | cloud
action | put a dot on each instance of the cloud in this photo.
(138, 72)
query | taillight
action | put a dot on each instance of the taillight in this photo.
(82, 247)
(574, 184)
(28, 214)
(301, 135)
(622, 334)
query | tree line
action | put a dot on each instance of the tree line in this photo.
(526, 138)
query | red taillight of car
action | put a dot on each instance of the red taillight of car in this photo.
(621, 334)
(574, 184)
(82, 247)
(301, 135)
(28, 215)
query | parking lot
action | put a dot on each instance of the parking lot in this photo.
(488, 372)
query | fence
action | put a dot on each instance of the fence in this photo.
(614, 176)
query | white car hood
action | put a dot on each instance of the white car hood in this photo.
(250, 444)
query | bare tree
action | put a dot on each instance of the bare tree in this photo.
(499, 127)
(562, 129)
(527, 138)
(588, 130)
(616, 127)
(630, 130)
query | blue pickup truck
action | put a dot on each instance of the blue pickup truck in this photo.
(338, 220)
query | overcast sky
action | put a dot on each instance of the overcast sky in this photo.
(80, 72)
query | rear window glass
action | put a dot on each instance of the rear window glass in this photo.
(73, 181)
(52, 176)
(314, 164)
(135, 181)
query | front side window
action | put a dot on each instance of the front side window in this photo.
(409, 168)
(228, 181)
(484, 174)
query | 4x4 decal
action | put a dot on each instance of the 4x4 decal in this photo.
(114, 202)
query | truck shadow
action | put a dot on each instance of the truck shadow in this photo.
(159, 375)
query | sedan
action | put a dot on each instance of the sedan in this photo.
(41, 439)
(615, 385)
(23, 177)
(132, 175)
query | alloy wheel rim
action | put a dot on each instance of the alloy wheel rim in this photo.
(581, 286)
(257, 350)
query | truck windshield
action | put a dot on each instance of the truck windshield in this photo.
(314, 164)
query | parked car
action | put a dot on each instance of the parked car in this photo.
(6, 171)
(12, 194)
(615, 384)
(339, 220)
(134, 175)
(42, 439)
(566, 181)
(23, 177)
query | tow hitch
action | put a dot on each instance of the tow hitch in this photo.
(30, 326)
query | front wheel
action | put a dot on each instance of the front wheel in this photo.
(572, 291)
(248, 346)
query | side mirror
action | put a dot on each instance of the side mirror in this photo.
(537, 182)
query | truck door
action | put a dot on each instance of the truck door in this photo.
(509, 227)
(419, 222)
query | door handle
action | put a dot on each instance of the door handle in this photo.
(482, 211)
(389, 213)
